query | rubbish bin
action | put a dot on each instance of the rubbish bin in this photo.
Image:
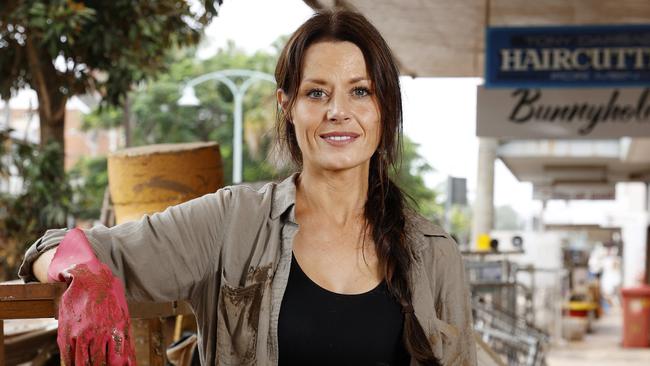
(636, 316)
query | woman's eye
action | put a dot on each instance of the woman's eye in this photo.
(360, 92)
(316, 93)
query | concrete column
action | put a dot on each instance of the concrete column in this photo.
(483, 217)
(633, 221)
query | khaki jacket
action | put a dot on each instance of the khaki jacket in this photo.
(229, 253)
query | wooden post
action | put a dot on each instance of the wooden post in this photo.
(647, 252)
(2, 342)
(156, 347)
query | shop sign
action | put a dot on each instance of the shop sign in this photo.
(597, 113)
(575, 56)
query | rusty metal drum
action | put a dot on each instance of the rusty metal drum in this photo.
(148, 179)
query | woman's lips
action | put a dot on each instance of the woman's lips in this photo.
(339, 138)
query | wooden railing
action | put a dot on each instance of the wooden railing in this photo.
(39, 300)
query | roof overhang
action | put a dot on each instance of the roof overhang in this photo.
(445, 38)
(577, 169)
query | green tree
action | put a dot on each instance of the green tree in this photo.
(89, 179)
(410, 177)
(43, 202)
(62, 48)
(460, 219)
(506, 218)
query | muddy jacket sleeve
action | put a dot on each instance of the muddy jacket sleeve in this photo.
(454, 308)
(161, 257)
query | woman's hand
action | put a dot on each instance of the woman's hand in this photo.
(94, 322)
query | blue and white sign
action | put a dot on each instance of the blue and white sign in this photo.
(576, 56)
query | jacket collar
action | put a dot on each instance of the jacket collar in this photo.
(420, 230)
(284, 198)
(424, 226)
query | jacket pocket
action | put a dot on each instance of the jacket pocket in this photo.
(237, 324)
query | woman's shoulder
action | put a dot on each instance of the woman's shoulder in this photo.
(430, 237)
(420, 225)
(254, 190)
(248, 196)
(261, 196)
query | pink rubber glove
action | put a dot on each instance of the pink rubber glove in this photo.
(94, 322)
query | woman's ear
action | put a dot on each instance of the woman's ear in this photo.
(283, 99)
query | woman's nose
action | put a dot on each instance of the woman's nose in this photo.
(338, 109)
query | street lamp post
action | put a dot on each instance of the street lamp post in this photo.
(238, 91)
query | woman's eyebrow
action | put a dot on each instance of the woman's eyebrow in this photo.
(359, 78)
(316, 81)
(323, 82)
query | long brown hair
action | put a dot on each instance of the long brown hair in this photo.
(385, 209)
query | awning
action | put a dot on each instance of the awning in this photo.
(445, 38)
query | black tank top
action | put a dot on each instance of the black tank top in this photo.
(320, 327)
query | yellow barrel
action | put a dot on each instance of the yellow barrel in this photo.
(147, 179)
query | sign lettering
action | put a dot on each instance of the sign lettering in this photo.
(563, 113)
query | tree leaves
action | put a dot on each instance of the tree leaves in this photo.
(43, 203)
(124, 39)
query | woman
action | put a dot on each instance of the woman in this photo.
(326, 267)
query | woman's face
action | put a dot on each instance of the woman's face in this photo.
(335, 115)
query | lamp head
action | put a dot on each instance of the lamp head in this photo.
(188, 98)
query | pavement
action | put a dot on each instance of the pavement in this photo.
(601, 347)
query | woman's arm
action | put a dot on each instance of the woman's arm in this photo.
(42, 263)
(161, 257)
